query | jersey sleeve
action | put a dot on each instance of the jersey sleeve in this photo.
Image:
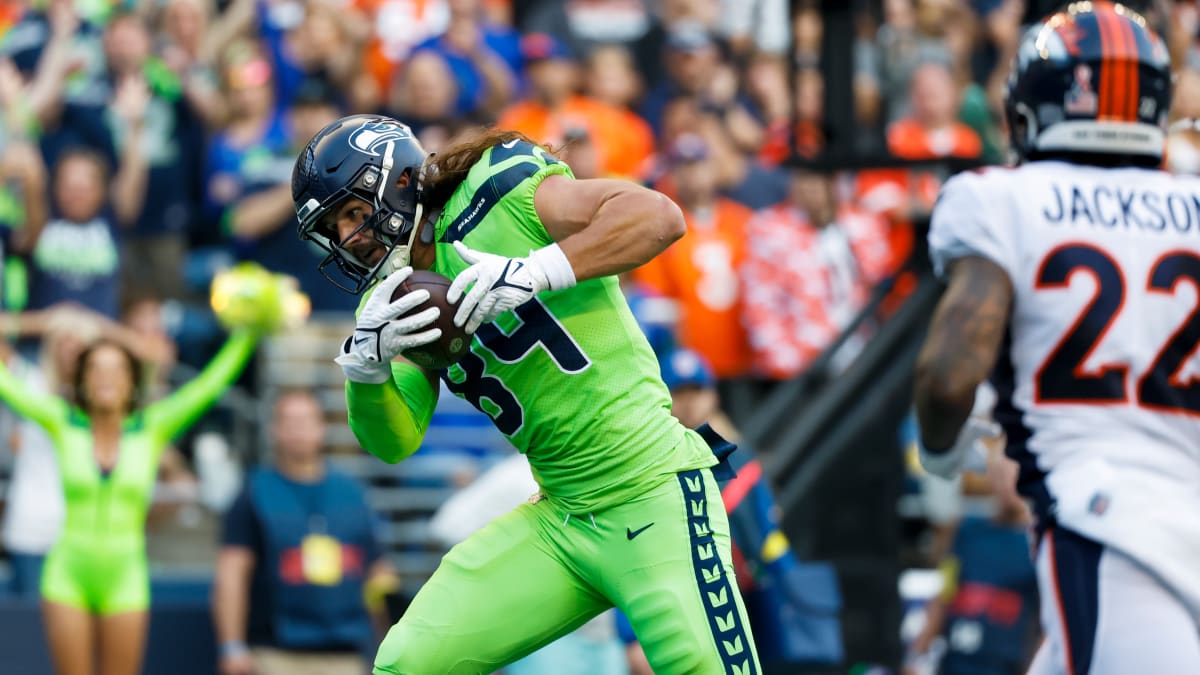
(531, 165)
(48, 412)
(389, 419)
(169, 417)
(966, 223)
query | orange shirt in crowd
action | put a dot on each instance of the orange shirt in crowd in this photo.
(900, 193)
(907, 139)
(623, 140)
(396, 27)
(700, 272)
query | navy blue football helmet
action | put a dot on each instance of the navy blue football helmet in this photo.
(376, 159)
(1093, 79)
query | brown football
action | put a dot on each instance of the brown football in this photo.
(454, 342)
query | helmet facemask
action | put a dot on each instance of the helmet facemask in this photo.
(396, 213)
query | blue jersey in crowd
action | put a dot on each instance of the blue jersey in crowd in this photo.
(76, 262)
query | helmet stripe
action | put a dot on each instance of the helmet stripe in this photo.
(1122, 94)
(1107, 86)
(1131, 68)
(1118, 65)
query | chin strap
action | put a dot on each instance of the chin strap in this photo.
(401, 256)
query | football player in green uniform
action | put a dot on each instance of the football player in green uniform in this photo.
(628, 514)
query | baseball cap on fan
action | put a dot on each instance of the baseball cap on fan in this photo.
(685, 368)
(537, 47)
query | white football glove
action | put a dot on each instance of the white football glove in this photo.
(380, 335)
(502, 284)
(968, 451)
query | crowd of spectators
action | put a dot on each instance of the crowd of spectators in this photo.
(146, 144)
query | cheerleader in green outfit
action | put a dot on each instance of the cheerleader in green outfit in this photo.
(95, 584)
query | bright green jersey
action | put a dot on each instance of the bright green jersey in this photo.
(568, 377)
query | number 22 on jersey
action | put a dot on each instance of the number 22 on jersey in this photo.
(1061, 377)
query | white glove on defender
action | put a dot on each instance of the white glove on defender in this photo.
(380, 335)
(968, 452)
(502, 284)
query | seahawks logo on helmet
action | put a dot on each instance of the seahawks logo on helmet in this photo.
(373, 135)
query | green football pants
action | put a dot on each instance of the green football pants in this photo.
(536, 574)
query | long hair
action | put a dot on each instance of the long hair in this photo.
(135, 371)
(447, 170)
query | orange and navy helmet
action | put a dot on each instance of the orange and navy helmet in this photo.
(1093, 79)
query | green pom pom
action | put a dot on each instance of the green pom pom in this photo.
(247, 296)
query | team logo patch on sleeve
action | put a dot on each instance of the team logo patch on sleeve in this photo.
(371, 136)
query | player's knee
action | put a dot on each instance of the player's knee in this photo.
(399, 653)
(406, 651)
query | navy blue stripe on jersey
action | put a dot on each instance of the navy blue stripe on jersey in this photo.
(518, 148)
(717, 595)
(1031, 481)
(1075, 564)
(486, 197)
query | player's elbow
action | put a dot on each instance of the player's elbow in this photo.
(390, 453)
(663, 218)
(675, 225)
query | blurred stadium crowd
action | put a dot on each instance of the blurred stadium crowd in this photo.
(147, 144)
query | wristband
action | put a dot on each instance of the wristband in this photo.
(552, 260)
(232, 648)
(945, 464)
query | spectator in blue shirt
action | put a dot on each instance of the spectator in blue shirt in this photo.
(299, 560)
(170, 136)
(484, 59)
(249, 172)
(76, 258)
(696, 68)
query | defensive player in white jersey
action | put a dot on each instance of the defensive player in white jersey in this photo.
(1074, 281)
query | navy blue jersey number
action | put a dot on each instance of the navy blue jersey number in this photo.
(1061, 379)
(538, 328)
(1162, 387)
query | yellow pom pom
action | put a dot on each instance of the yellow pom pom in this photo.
(249, 296)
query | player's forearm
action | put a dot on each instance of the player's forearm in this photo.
(626, 231)
(389, 419)
(941, 410)
(960, 350)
